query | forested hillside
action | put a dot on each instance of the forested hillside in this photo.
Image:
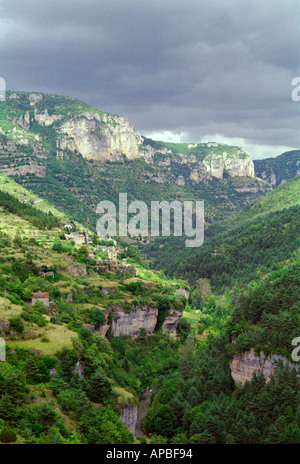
(246, 284)
(237, 249)
(63, 381)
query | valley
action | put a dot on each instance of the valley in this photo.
(142, 340)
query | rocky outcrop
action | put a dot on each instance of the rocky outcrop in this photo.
(35, 98)
(182, 292)
(23, 120)
(278, 170)
(44, 118)
(99, 137)
(19, 151)
(130, 322)
(78, 369)
(129, 417)
(238, 164)
(244, 365)
(171, 322)
(269, 177)
(241, 167)
(103, 329)
(143, 408)
(105, 137)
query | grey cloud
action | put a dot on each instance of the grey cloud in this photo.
(199, 67)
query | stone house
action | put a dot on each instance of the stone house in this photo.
(79, 239)
(41, 296)
(90, 254)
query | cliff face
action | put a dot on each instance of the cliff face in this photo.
(129, 323)
(129, 417)
(243, 366)
(238, 165)
(107, 137)
(171, 322)
(98, 137)
(77, 127)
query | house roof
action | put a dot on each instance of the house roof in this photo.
(40, 295)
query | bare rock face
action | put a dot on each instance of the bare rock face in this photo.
(78, 369)
(244, 365)
(129, 417)
(35, 98)
(269, 177)
(129, 323)
(182, 292)
(215, 166)
(242, 167)
(171, 322)
(239, 164)
(23, 120)
(99, 137)
(103, 329)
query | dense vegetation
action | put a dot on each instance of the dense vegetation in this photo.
(235, 251)
(199, 403)
(28, 212)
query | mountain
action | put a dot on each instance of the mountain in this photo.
(75, 156)
(280, 169)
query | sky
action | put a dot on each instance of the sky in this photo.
(180, 70)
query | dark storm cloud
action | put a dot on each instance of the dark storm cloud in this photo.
(191, 67)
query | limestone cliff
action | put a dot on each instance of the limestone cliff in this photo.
(129, 417)
(99, 137)
(14, 157)
(127, 319)
(74, 126)
(129, 322)
(238, 164)
(171, 322)
(244, 365)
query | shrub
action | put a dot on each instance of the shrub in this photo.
(16, 323)
(7, 435)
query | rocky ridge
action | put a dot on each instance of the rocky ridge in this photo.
(104, 137)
